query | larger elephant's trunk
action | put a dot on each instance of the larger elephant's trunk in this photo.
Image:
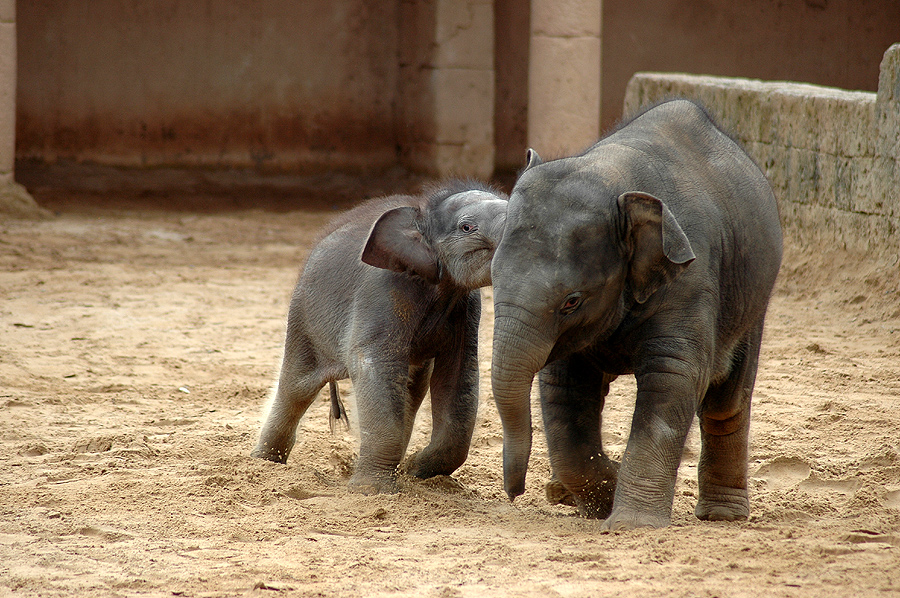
(519, 352)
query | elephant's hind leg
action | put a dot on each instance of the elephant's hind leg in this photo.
(298, 384)
(724, 433)
(454, 406)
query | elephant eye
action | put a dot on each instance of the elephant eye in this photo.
(571, 303)
(468, 227)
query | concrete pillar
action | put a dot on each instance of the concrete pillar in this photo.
(463, 81)
(14, 199)
(446, 111)
(887, 144)
(564, 76)
(7, 90)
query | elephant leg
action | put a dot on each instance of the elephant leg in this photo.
(298, 384)
(383, 405)
(572, 397)
(419, 378)
(454, 407)
(724, 434)
(669, 380)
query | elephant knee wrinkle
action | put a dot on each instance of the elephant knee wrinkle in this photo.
(722, 427)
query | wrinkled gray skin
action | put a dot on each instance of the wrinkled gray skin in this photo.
(389, 299)
(653, 253)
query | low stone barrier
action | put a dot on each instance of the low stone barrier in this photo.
(831, 155)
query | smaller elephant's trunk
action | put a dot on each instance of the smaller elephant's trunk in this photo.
(517, 356)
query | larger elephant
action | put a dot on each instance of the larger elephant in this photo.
(653, 253)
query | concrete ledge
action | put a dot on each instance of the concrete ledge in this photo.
(831, 155)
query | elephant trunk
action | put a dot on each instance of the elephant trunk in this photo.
(518, 353)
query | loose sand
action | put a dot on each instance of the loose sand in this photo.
(138, 343)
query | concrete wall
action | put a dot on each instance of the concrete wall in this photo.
(563, 76)
(7, 90)
(15, 200)
(832, 156)
(279, 85)
(440, 86)
(838, 43)
(271, 84)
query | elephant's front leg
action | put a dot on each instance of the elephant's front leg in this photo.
(383, 400)
(667, 391)
(572, 397)
(454, 404)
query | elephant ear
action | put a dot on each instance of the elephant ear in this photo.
(395, 243)
(532, 158)
(660, 251)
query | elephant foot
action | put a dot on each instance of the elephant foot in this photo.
(594, 497)
(270, 454)
(369, 483)
(557, 494)
(597, 502)
(427, 464)
(734, 509)
(622, 519)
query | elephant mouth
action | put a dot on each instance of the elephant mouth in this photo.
(481, 245)
(486, 251)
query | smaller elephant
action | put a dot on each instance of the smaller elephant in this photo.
(389, 299)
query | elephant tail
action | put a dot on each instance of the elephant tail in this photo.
(338, 412)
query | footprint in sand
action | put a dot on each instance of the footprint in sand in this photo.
(790, 472)
(892, 499)
(783, 472)
(846, 486)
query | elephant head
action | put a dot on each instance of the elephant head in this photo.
(450, 239)
(576, 255)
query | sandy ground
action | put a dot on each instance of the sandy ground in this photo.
(138, 345)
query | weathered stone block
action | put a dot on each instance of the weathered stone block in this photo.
(464, 110)
(796, 115)
(832, 156)
(446, 79)
(16, 202)
(463, 101)
(887, 119)
(865, 196)
(7, 11)
(464, 160)
(888, 103)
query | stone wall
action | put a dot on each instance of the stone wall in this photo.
(831, 155)
(15, 201)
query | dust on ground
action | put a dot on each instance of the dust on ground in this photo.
(138, 345)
